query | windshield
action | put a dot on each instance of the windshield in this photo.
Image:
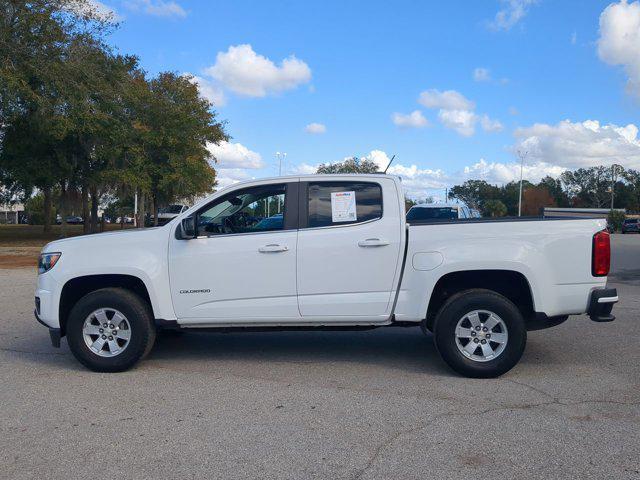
(430, 213)
(631, 220)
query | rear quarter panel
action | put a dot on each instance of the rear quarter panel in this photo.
(553, 255)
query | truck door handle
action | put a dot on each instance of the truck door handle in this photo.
(373, 242)
(273, 248)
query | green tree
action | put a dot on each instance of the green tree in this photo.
(35, 37)
(589, 187)
(494, 208)
(474, 193)
(632, 178)
(173, 125)
(509, 194)
(350, 165)
(555, 188)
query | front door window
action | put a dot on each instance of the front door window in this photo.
(257, 209)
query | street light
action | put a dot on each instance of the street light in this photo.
(522, 156)
(280, 157)
(614, 167)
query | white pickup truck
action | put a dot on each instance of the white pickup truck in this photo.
(324, 252)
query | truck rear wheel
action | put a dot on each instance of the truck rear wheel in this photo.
(110, 330)
(480, 334)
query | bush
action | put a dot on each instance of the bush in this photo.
(615, 219)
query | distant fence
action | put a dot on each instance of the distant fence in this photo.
(555, 212)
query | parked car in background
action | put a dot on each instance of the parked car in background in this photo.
(125, 220)
(71, 220)
(270, 223)
(341, 256)
(168, 213)
(631, 225)
(440, 211)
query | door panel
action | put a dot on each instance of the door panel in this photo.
(242, 266)
(229, 277)
(349, 270)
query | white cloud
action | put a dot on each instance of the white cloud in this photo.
(315, 128)
(234, 156)
(489, 125)
(511, 13)
(244, 72)
(414, 119)
(229, 176)
(496, 172)
(157, 8)
(585, 144)
(380, 158)
(209, 90)
(619, 42)
(481, 74)
(574, 38)
(462, 121)
(457, 112)
(447, 100)
(303, 169)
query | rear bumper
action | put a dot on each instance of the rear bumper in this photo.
(601, 304)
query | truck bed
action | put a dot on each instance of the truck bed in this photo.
(556, 250)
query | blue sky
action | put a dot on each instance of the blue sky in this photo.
(557, 79)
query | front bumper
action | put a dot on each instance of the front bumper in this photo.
(601, 304)
(54, 333)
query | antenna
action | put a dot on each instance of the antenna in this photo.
(390, 162)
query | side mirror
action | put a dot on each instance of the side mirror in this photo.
(187, 229)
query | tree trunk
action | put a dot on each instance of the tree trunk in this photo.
(155, 209)
(46, 191)
(85, 209)
(63, 209)
(141, 210)
(94, 209)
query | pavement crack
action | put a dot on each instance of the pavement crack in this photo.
(531, 387)
(379, 450)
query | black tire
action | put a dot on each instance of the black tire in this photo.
(137, 313)
(457, 307)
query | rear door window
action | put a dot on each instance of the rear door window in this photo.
(343, 203)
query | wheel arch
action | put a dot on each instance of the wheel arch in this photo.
(511, 284)
(78, 287)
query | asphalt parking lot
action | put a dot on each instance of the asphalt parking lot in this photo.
(337, 405)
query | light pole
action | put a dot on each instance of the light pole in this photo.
(281, 156)
(614, 167)
(522, 156)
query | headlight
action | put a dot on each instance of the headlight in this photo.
(47, 261)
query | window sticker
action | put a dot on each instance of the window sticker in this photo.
(343, 207)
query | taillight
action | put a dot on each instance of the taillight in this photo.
(601, 259)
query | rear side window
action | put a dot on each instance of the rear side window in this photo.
(343, 203)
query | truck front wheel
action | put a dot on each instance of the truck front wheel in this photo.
(110, 329)
(480, 334)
